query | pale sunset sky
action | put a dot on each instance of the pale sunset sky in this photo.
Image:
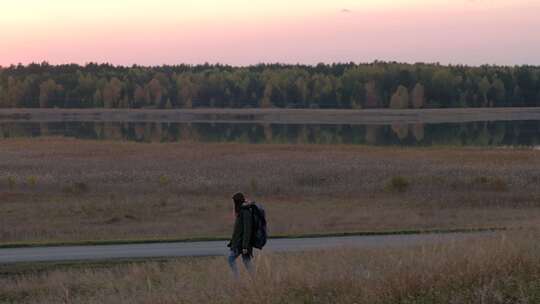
(243, 32)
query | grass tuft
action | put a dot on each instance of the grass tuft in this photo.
(253, 185)
(489, 183)
(76, 188)
(397, 184)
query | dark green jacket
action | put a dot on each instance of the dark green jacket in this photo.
(243, 228)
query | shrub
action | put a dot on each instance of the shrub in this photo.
(80, 187)
(31, 181)
(164, 180)
(76, 188)
(163, 202)
(311, 180)
(11, 182)
(397, 184)
(489, 183)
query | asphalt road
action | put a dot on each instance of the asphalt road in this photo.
(218, 248)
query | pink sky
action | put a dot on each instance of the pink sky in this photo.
(242, 32)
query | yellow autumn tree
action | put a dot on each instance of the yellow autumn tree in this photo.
(400, 99)
(418, 96)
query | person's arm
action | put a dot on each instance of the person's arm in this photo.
(248, 227)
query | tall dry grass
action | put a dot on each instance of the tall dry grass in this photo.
(115, 190)
(501, 269)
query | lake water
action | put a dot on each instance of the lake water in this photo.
(495, 133)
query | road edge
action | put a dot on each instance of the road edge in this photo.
(206, 239)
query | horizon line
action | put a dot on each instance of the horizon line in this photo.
(437, 63)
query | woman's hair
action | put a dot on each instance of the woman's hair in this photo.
(238, 199)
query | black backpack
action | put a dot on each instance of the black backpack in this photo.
(260, 234)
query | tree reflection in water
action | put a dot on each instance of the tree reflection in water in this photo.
(502, 133)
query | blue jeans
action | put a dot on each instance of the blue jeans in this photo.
(246, 258)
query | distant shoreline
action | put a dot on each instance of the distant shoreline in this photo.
(273, 116)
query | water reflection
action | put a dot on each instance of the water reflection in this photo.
(513, 133)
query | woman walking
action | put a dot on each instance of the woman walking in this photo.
(240, 244)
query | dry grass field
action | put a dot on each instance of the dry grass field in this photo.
(500, 269)
(58, 189)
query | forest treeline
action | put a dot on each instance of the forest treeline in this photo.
(348, 86)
